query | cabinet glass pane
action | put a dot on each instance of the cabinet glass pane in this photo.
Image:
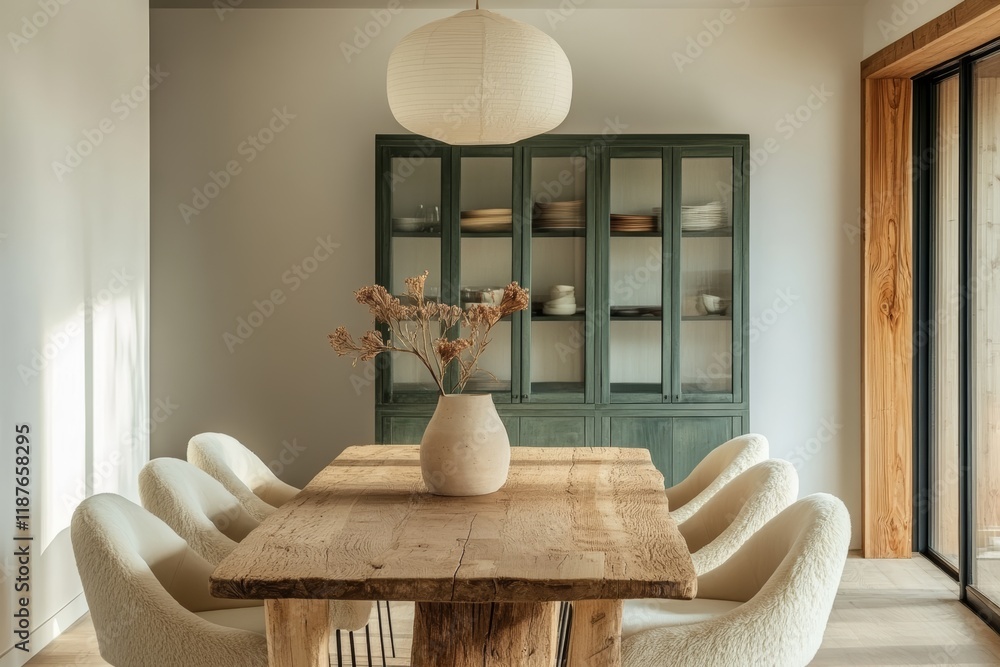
(558, 276)
(635, 261)
(486, 258)
(416, 247)
(416, 194)
(706, 277)
(558, 350)
(984, 343)
(409, 375)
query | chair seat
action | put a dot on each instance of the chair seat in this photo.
(642, 615)
(247, 618)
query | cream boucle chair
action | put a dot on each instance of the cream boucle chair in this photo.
(739, 510)
(260, 491)
(197, 507)
(767, 605)
(213, 522)
(241, 472)
(148, 594)
(713, 472)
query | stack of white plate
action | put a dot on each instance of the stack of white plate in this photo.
(562, 301)
(703, 217)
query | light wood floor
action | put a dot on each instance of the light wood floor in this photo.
(888, 612)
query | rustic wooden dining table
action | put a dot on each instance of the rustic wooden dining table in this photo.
(585, 525)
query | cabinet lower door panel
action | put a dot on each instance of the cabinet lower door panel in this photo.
(676, 444)
(554, 432)
(403, 430)
(410, 430)
(694, 438)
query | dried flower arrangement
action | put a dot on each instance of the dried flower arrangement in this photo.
(410, 329)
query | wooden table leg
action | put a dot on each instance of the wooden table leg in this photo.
(497, 634)
(595, 639)
(298, 633)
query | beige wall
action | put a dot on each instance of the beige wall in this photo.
(885, 21)
(316, 180)
(74, 264)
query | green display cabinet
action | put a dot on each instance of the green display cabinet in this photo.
(650, 234)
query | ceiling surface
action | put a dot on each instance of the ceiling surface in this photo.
(488, 4)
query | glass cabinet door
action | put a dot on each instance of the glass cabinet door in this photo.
(413, 213)
(489, 231)
(558, 236)
(708, 295)
(636, 183)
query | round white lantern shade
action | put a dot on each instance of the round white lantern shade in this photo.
(479, 78)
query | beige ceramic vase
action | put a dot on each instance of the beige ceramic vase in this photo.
(465, 450)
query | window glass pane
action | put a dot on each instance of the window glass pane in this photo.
(985, 326)
(944, 370)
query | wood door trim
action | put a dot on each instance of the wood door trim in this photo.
(886, 230)
(962, 28)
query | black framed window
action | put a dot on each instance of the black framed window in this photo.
(957, 336)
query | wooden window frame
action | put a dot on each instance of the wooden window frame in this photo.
(887, 265)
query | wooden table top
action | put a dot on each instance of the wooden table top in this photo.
(570, 524)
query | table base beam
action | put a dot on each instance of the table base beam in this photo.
(298, 633)
(595, 639)
(497, 634)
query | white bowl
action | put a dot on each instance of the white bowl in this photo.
(562, 301)
(561, 290)
(709, 304)
(559, 310)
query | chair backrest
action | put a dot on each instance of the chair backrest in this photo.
(739, 510)
(787, 575)
(142, 581)
(241, 471)
(195, 506)
(713, 472)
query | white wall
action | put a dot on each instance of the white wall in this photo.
(885, 21)
(74, 270)
(316, 179)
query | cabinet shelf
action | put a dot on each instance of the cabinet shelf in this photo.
(557, 387)
(726, 232)
(706, 318)
(559, 318)
(657, 234)
(559, 233)
(416, 235)
(487, 235)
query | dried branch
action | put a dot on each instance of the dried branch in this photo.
(439, 352)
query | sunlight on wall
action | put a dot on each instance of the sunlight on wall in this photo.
(59, 455)
(74, 266)
(120, 403)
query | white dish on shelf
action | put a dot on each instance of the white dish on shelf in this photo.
(562, 309)
(562, 301)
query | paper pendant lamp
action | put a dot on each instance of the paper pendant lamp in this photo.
(479, 78)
